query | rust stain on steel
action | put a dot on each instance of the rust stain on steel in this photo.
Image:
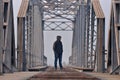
(98, 10)
(23, 8)
(65, 74)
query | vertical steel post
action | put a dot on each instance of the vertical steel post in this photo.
(1, 36)
(87, 30)
(100, 45)
(23, 46)
(92, 37)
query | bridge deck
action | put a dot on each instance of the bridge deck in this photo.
(51, 74)
(65, 74)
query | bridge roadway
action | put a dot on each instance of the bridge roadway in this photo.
(65, 74)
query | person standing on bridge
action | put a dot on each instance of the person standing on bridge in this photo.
(58, 50)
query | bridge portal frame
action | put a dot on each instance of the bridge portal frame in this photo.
(113, 59)
(89, 37)
(7, 39)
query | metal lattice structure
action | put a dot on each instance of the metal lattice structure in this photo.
(7, 41)
(88, 37)
(37, 15)
(30, 45)
(59, 14)
(1, 24)
(84, 17)
(114, 38)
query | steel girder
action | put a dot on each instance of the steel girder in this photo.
(30, 36)
(88, 37)
(21, 55)
(91, 37)
(59, 14)
(7, 40)
(113, 63)
(96, 37)
(1, 34)
(78, 57)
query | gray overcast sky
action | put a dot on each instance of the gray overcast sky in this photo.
(50, 37)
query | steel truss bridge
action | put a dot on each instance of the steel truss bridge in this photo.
(84, 17)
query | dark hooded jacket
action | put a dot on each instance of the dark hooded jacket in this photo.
(58, 47)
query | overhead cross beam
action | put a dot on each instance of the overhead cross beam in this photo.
(60, 16)
(59, 8)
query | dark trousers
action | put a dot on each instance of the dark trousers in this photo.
(58, 56)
